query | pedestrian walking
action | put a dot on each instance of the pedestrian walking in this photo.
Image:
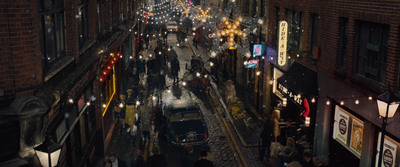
(145, 124)
(175, 68)
(130, 114)
(142, 70)
(203, 161)
(267, 135)
(230, 93)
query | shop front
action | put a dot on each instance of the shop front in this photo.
(348, 127)
(109, 92)
(295, 93)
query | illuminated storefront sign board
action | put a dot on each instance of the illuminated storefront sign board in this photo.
(283, 28)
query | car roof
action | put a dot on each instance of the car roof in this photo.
(183, 106)
(183, 103)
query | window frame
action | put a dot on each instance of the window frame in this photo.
(57, 19)
(363, 63)
(83, 23)
(294, 39)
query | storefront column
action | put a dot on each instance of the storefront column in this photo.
(368, 145)
(322, 127)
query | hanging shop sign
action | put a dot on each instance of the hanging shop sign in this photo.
(271, 55)
(283, 28)
(252, 63)
(389, 151)
(348, 131)
(257, 49)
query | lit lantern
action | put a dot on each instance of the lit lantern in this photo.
(115, 58)
(307, 122)
(112, 62)
(118, 53)
(108, 67)
(48, 152)
(104, 73)
(102, 79)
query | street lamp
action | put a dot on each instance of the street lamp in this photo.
(48, 152)
(387, 106)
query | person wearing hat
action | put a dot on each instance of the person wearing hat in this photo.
(130, 114)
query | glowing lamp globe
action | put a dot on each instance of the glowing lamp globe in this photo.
(48, 152)
(387, 104)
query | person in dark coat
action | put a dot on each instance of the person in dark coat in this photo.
(175, 68)
(307, 160)
(203, 162)
(267, 135)
(157, 159)
(115, 162)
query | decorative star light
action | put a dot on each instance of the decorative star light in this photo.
(203, 14)
(231, 29)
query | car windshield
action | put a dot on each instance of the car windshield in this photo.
(185, 116)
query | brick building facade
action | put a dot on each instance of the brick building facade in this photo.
(353, 47)
(53, 53)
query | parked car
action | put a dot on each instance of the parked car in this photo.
(185, 123)
(172, 26)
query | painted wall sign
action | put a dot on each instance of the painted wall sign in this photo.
(257, 49)
(294, 96)
(283, 28)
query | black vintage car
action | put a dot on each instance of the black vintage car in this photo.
(186, 125)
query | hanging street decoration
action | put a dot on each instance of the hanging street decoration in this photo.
(231, 33)
(231, 30)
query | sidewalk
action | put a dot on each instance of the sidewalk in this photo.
(245, 120)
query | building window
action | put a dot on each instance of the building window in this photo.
(83, 22)
(372, 44)
(314, 35)
(294, 19)
(52, 31)
(263, 8)
(343, 30)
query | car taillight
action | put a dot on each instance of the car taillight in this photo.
(177, 140)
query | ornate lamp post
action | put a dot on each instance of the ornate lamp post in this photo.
(48, 152)
(387, 106)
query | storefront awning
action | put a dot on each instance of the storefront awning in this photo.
(299, 79)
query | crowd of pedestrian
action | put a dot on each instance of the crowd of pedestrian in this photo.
(139, 107)
(289, 147)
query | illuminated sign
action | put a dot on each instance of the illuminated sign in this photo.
(212, 35)
(231, 48)
(252, 63)
(283, 28)
(257, 49)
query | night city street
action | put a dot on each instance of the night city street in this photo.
(199, 83)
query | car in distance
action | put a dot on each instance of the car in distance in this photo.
(172, 26)
(185, 123)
